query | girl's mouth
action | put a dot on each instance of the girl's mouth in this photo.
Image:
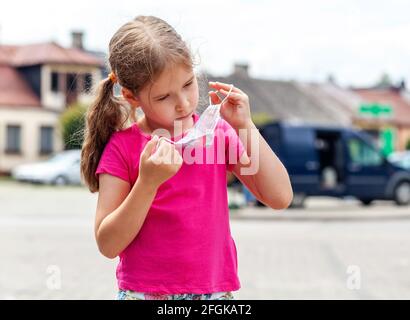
(185, 117)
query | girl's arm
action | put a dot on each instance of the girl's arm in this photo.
(269, 181)
(266, 178)
(121, 213)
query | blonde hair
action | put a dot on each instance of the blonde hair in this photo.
(138, 53)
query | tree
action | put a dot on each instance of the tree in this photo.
(385, 81)
(261, 118)
(72, 122)
(408, 145)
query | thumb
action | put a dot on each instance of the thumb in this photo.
(149, 147)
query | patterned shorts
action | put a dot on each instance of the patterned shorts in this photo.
(132, 295)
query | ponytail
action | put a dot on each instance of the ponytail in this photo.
(105, 116)
(139, 51)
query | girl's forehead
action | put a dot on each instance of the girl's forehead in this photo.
(170, 78)
(171, 74)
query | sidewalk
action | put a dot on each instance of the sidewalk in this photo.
(326, 209)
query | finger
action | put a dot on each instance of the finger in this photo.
(221, 85)
(162, 154)
(168, 156)
(162, 148)
(150, 146)
(164, 143)
(214, 97)
(159, 150)
(234, 96)
(177, 158)
(156, 159)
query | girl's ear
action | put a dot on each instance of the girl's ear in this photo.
(129, 96)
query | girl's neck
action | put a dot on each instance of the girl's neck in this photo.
(148, 126)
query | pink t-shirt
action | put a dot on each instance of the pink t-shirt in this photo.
(185, 244)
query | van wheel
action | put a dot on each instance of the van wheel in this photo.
(366, 202)
(298, 201)
(402, 193)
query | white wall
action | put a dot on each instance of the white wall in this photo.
(30, 120)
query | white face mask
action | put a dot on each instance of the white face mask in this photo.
(205, 126)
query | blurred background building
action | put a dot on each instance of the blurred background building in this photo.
(37, 83)
(382, 110)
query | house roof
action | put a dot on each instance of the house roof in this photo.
(287, 100)
(393, 97)
(14, 90)
(42, 53)
(338, 102)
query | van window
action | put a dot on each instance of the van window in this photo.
(298, 146)
(363, 154)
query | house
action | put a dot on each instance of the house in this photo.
(37, 83)
(390, 114)
(284, 100)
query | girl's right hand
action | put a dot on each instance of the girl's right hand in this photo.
(157, 166)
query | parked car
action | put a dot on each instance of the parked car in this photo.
(338, 162)
(61, 169)
(401, 159)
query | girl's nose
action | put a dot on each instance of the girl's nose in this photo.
(183, 104)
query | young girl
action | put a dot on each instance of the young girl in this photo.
(168, 221)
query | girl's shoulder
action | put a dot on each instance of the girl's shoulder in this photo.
(132, 132)
(127, 141)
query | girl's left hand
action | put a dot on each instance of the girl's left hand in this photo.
(235, 110)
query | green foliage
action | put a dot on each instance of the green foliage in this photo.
(408, 145)
(72, 122)
(261, 118)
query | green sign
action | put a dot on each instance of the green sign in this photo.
(375, 110)
(387, 137)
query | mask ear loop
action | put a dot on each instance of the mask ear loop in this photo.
(230, 90)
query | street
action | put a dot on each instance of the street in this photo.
(333, 249)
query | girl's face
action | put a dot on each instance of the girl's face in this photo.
(172, 97)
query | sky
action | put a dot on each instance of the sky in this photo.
(354, 40)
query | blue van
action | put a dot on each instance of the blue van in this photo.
(337, 162)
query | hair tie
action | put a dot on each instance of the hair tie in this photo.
(113, 77)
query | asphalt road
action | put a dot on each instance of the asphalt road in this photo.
(332, 250)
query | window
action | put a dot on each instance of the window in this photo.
(71, 82)
(364, 154)
(88, 82)
(54, 82)
(46, 139)
(13, 144)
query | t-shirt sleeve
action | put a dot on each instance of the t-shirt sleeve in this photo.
(113, 159)
(233, 146)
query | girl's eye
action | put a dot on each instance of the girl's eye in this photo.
(163, 98)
